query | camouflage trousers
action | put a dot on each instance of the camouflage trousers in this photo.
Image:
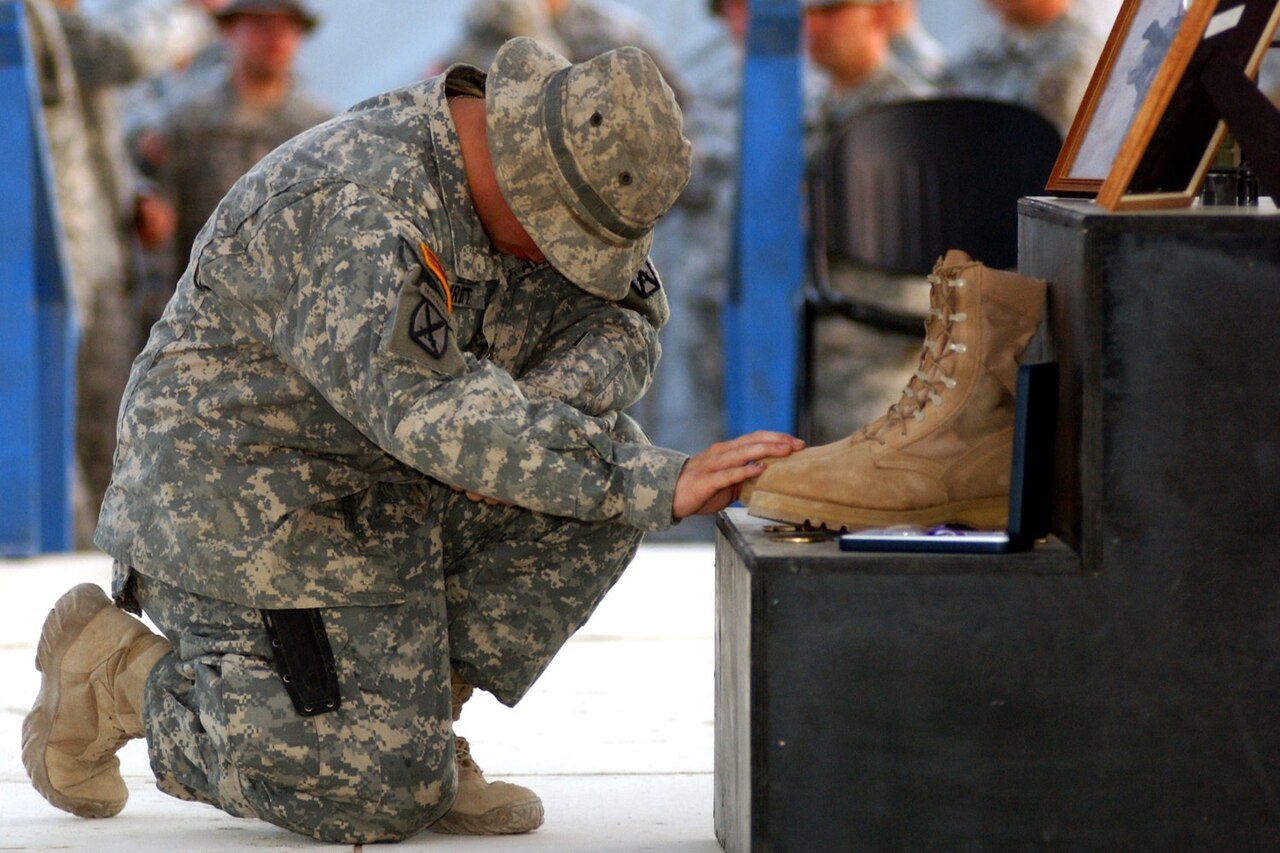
(511, 588)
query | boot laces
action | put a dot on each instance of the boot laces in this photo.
(462, 754)
(930, 380)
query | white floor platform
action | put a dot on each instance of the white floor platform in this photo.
(616, 737)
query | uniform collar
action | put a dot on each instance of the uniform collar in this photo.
(472, 256)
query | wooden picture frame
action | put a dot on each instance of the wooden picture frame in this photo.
(1110, 102)
(1145, 133)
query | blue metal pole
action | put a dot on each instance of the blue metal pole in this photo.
(760, 320)
(19, 395)
(37, 335)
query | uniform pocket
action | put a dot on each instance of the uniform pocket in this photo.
(333, 756)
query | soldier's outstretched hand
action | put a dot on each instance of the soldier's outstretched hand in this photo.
(712, 479)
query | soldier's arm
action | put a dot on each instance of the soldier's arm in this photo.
(368, 327)
(102, 57)
(599, 356)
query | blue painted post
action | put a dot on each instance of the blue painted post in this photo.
(36, 334)
(760, 317)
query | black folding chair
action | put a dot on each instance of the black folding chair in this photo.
(900, 184)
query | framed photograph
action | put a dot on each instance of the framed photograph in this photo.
(1176, 134)
(1139, 41)
(1145, 96)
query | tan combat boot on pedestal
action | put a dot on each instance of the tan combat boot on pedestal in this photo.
(94, 659)
(942, 453)
(483, 807)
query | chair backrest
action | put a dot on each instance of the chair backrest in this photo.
(900, 184)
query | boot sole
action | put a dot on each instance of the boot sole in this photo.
(68, 618)
(511, 819)
(981, 512)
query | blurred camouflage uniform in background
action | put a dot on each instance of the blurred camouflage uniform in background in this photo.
(693, 246)
(1046, 69)
(588, 28)
(207, 142)
(859, 370)
(79, 66)
(489, 24)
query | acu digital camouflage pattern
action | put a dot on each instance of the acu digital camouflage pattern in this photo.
(279, 421)
(589, 157)
(213, 139)
(1047, 69)
(222, 730)
(285, 442)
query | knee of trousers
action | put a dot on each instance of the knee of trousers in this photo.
(376, 769)
(407, 795)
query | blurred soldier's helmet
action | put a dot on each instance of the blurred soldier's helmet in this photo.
(588, 157)
(293, 8)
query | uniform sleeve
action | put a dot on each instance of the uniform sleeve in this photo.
(599, 356)
(102, 58)
(367, 325)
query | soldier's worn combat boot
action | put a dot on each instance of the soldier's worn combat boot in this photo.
(94, 659)
(483, 807)
(942, 453)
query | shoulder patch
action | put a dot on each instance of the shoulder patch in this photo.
(646, 281)
(429, 328)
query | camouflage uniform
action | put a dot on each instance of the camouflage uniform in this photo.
(1047, 69)
(79, 65)
(920, 52)
(345, 342)
(860, 370)
(213, 139)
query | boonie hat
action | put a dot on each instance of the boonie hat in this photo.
(292, 8)
(588, 157)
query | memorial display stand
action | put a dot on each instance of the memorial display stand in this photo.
(1115, 688)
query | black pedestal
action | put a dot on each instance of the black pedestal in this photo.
(1116, 689)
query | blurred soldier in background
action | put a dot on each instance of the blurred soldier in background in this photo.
(207, 143)
(848, 40)
(912, 45)
(103, 214)
(858, 369)
(693, 246)
(489, 24)
(1043, 58)
(590, 27)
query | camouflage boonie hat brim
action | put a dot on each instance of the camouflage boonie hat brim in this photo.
(588, 157)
